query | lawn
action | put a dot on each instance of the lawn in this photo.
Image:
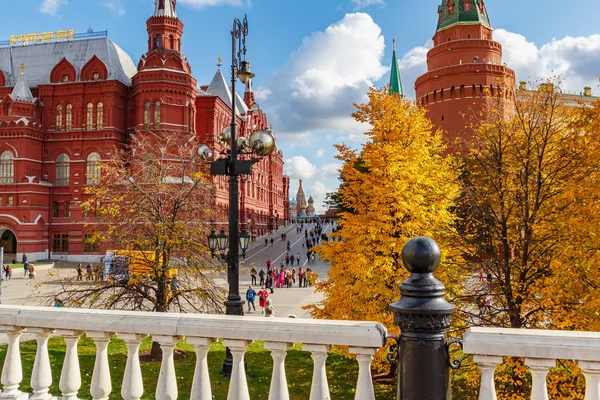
(342, 373)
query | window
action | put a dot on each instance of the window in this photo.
(0, 201)
(69, 118)
(98, 209)
(90, 117)
(62, 169)
(55, 209)
(157, 115)
(65, 78)
(99, 116)
(67, 209)
(90, 245)
(7, 167)
(10, 201)
(468, 6)
(60, 242)
(9, 110)
(146, 115)
(59, 117)
(96, 76)
(93, 169)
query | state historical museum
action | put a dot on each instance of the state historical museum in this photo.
(66, 102)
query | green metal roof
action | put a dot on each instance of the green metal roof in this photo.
(458, 16)
(395, 81)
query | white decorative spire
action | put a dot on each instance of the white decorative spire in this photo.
(21, 91)
(165, 8)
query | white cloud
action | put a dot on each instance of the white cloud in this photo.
(205, 3)
(262, 94)
(412, 65)
(330, 170)
(320, 153)
(51, 7)
(314, 91)
(298, 167)
(358, 4)
(318, 191)
(116, 6)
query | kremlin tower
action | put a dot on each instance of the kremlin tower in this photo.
(464, 66)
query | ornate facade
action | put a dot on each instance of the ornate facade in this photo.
(65, 104)
(300, 202)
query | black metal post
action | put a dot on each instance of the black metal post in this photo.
(423, 317)
(234, 303)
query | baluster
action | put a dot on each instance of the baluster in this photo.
(591, 371)
(41, 375)
(70, 375)
(539, 369)
(12, 372)
(238, 386)
(101, 385)
(320, 388)
(167, 379)
(133, 385)
(364, 385)
(201, 384)
(487, 366)
(279, 386)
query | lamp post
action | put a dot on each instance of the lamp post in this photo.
(259, 144)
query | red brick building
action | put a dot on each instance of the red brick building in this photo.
(464, 66)
(65, 103)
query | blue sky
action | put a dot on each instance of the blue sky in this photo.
(314, 58)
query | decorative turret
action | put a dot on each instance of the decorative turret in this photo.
(463, 68)
(21, 91)
(310, 210)
(164, 28)
(464, 12)
(301, 201)
(395, 81)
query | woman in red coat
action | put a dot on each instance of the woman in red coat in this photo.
(263, 295)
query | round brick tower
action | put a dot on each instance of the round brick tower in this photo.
(464, 66)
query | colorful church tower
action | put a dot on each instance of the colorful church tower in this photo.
(301, 201)
(464, 66)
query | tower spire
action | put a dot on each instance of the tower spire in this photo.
(249, 94)
(165, 8)
(395, 81)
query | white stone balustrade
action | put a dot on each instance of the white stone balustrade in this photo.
(278, 334)
(540, 349)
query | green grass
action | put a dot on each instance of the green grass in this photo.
(342, 373)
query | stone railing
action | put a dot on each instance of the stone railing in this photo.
(278, 334)
(540, 349)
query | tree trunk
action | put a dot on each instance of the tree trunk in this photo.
(156, 352)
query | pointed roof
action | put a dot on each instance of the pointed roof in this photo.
(164, 8)
(470, 12)
(300, 190)
(21, 91)
(395, 81)
(218, 87)
(310, 199)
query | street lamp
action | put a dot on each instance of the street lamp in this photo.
(258, 145)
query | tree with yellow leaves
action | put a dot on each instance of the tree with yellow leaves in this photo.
(152, 207)
(399, 185)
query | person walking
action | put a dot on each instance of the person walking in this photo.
(298, 258)
(263, 295)
(253, 275)
(266, 242)
(301, 276)
(261, 275)
(89, 272)
(25, 268)
(292, 259)
(8, 272)
(271, 241)
(481, 275)
(31, 271)
(79, 270)
(250, 296)
(269, 309)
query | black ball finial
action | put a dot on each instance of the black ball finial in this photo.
(421, 255)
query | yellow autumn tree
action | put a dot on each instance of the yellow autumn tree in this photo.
(398, 186)
(530, 213)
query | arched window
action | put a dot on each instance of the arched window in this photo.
(93, 169)
(9, 110)
(69, 117)
(462, 91)
(7, 167)
(147, 115)
(157, 115)
(58, 117)
(99, 116)
(90, 117)
(467, 6)
(63, 169)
